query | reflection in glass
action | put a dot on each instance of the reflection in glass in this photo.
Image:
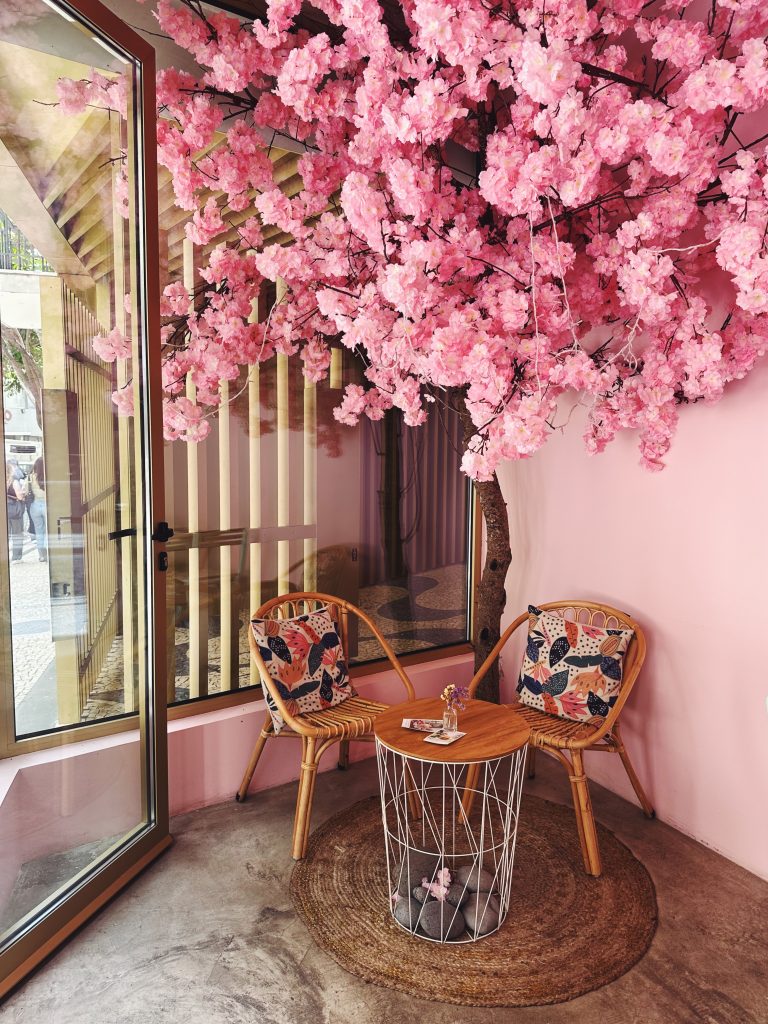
(72, 638)
(280, 497)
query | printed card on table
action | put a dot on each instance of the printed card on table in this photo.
(423, 724)
(442, 738)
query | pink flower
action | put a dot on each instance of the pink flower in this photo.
(175, 300)
(512, 213)
(112, 346)
(439, 888)
(205, 224)
(123, 400)
(547, 72)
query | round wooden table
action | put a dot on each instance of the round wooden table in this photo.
(451, 807)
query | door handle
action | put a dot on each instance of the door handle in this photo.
(163, 533)
(116, 534)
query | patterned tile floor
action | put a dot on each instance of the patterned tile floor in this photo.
(430, 611)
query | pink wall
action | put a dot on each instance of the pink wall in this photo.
(684, 551)
(59, 799)
(208, 754)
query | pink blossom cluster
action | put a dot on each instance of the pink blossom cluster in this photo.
(504, 206)
(112, 346)
(95, 91)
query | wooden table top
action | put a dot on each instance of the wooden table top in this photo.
(493, 730)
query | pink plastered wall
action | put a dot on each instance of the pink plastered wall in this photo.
(685, 552)
(208, 754)
(59, 799)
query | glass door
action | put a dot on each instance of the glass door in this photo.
(83, 784)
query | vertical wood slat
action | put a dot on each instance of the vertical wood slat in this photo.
(254, 489)
(283, 466)
(54, 312)
(225, 552)
(254, 498)
(336, 369)
(198, 639)
(124, 447)
(79, 440)
(310, 483)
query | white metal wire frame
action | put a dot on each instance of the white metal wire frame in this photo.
(421, 808)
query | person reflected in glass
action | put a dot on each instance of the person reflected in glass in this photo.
(37, 510)
(15, 505)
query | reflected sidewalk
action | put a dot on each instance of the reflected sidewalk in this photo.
(34, 673)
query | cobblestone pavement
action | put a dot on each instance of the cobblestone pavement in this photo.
(30, 620)
(430, 613)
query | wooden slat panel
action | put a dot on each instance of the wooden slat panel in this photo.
(225, 553)
(81, 475)
(198, 635)
(310, 483)
(283, 463)
(254, 488)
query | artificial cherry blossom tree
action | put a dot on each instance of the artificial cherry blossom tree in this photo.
(506, 205)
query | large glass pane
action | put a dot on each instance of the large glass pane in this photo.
(280, 497)
(74, 621)
(414, 534)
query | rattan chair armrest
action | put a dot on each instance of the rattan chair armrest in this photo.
(481, 672)
(388, 651)
(294, 601)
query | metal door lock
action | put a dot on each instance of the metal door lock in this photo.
(163, 533)
(162, 561)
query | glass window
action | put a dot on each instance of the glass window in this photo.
(280, 497)
(71, 266)
(76, 610)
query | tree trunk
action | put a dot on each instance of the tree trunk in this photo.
(396, 567)
(491, 596)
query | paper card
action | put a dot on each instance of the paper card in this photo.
(443, 739)
(423, 724)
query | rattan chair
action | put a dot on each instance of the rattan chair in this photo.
(317, 730)
(559, 737)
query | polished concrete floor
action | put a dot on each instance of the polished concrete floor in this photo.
(208, 935)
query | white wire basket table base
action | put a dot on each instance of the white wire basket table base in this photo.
(426, 832)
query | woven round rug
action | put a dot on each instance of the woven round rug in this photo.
(565, 934)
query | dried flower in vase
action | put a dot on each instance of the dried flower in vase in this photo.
(455, 697)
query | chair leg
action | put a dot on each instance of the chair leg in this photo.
(267, 731)
(531, 761)
(343, 755)
(304, 799)
(585, 819)
(577, 811)
(645, 803)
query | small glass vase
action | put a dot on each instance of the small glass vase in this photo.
(450, 720)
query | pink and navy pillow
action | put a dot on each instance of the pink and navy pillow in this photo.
(571, 669)
(305, 659)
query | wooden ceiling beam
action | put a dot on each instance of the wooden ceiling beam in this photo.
(100, 262)
(78, 156)
(25, 208)
(96, 236)
(84, 221)
(84, 195)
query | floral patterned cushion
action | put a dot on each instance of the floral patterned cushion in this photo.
(305, 659)
(571, 669)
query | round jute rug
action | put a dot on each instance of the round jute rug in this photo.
(565, 934)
